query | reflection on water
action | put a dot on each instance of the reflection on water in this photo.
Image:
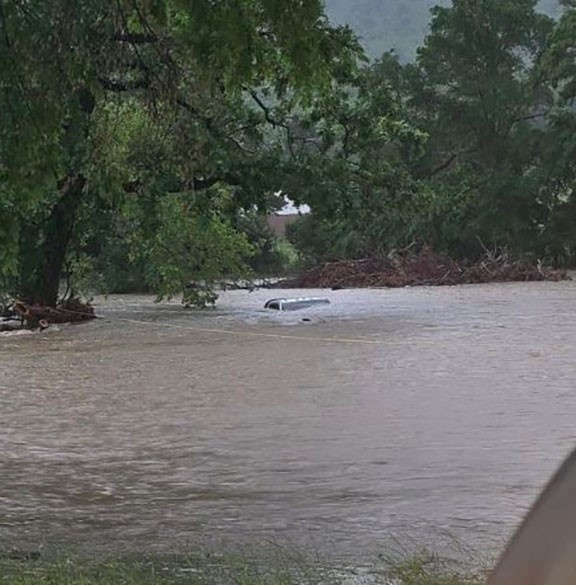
(435, 410)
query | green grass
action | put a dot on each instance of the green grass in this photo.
(210, 569)
(428, 569)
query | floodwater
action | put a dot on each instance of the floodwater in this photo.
(390, 416)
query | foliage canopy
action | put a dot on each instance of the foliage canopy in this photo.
(147, 121)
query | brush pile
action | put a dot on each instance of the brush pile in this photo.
(421, 268)
(23, 315)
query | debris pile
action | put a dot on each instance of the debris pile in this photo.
(422, 268)
(21, 314)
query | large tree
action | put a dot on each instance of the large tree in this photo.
(559, 158)
(468, 148)
(156, 109)
(484, 105)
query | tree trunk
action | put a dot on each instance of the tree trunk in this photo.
(45, 246)
(59, 228)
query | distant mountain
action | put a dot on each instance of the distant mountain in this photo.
(395, 24)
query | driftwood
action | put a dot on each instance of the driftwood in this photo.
(68, 311)
(7, 325)
(423, 268)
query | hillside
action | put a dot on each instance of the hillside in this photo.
(395, 24)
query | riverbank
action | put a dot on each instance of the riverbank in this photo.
(283, 568)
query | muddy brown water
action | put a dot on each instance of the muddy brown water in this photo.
(414, 415)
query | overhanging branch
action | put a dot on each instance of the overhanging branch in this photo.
(196, 184)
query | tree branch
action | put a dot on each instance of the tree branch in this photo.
(272, 121)
(136, 38)
(266, 110)
(449, 162)
(443, 165)
(123, 86)
(530, 117)
(197, 184)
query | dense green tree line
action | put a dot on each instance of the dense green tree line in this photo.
(469, 147)
(142, 139)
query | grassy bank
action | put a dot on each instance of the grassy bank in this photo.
(210, 569)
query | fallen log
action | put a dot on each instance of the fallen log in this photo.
(68, 311)
(7, 325)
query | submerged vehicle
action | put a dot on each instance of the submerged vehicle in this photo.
(295, 304)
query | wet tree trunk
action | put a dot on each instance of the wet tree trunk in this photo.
(58, 233)
(46, 245)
